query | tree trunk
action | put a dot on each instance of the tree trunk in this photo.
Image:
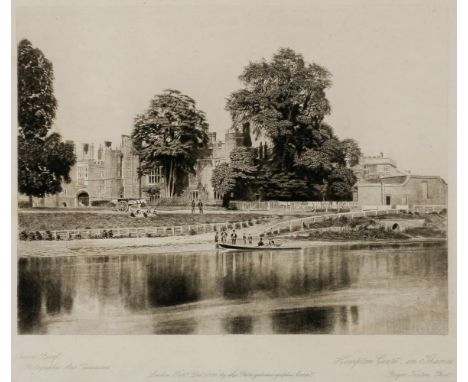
(174, 179)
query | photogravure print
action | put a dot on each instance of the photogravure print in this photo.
(234, 169)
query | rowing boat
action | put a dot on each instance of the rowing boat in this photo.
(254, 247)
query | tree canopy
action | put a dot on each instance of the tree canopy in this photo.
(285, 100)
(171, 133)
(44, 161)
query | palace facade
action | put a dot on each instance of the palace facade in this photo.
(108, 172)
(105, 173)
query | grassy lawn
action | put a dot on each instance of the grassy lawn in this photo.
(64, 221)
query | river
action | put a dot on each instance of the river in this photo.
(343, 289)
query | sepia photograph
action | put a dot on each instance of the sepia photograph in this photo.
(167, 189)
(251, 170)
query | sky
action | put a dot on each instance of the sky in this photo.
(390, 62)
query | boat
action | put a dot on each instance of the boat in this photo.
(255, 247)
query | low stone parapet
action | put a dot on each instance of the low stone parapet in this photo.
(124, 232)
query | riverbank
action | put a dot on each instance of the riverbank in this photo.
(165, 245)
(42, 221)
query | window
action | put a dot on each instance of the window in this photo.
(194, 195)
(156, 176)
(387, 200)
(82, 173)
(217, 195)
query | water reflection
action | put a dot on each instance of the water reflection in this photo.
(345, 289)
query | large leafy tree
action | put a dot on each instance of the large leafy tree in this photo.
(44, 161)
(238, 177)
(351, 151)
(285, 100)
(171, 133)
(224, 181)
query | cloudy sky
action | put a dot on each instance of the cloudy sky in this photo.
(389, 59)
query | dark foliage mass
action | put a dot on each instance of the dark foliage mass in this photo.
(285, 100)
(172, 133)
(44, 161)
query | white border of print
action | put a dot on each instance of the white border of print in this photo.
(5, 206)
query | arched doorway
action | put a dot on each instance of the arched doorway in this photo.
(83, 199)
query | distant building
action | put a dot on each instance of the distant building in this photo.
(381, 182)
(109, 173)
(374, 167)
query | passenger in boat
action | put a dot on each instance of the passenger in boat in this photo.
(261, 243)
(233, 236)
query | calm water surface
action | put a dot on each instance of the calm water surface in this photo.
(359, 289)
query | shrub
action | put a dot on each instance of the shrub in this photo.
(23, 235)
(31, 236)
(38, 235)
(23, 204)
(353, 223)
(102, 203)
(48, 235)
(343, 220)
(192, 231)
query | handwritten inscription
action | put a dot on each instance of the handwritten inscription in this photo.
(429, 366)
(244, 375)
(49, 362)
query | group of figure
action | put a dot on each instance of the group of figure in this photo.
(246, 239)
(195, 205)
(271, 243)
(143, 212)
(223, 237)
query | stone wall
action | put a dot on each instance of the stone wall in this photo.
(411, 191)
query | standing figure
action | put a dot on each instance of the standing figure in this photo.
(234, 237)
(245, 239)
(193, 206)
(200, 207)
(250, 238)
(216, 238)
